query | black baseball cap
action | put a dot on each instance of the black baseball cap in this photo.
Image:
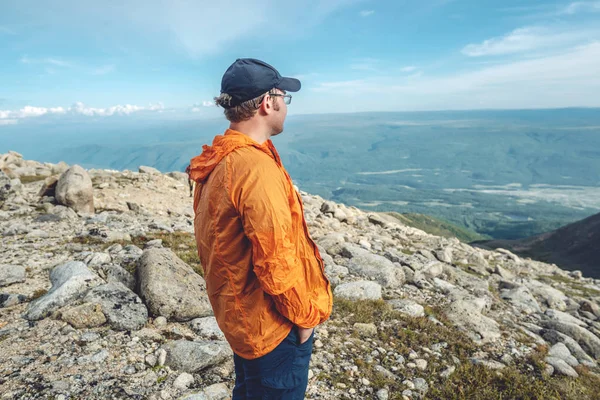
(248, 78)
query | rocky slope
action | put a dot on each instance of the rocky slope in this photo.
(101, 296)
(574, 246)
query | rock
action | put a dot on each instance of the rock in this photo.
(183, 381)
(70, 281)
(504, 273)
(563, 317)
(368, 330)
(37, 234)
(491, 364)
(153, 243)
(560, 350)
(191, 357)
(575, 349)
(359, 290)
(373, 266)
(74, 189)
(466, 315)
(407, 307)
(522, 299)
(444, 255)
(160, 322)
(208, 328)
(5, 187)
(576, 274)
(170, 287)
(16, 229)
(114, 273)
(561, 367)
(421, 364)
(10, 274)
(123, 309)
(87, 315)
(447, 372)
(421, 385)
(218, 391)
(49, 187)
(590, 307)
(586, 339)
(382, 394)
(9, 300)
(97, 259)
(148, 170)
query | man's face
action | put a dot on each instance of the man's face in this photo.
(279, 113)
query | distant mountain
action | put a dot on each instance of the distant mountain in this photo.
(574, 246)
(436, 226)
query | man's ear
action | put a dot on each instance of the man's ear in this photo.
(266, 107)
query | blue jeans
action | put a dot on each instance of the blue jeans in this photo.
(280, 374)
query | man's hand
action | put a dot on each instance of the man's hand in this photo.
(304, 334)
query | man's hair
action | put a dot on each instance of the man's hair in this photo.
(243, 111)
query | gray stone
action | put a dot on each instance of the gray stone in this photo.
(421, 385)
(491, 364)
(560, 350)
(563, 317)
(170, 287)
(5, 186)
(74, 189)
(444, 255)
(522, 299)
(359, 290)
(575, 349)
(10, 274)
(586, 339)
(382, 394)
(207, 327)
(70, 281)
(191, 357)
(16, 229)
(369, 265)
(123, 309)
(183, 381)
(9, 300)
(407, 307)
(115, 273)
(466, 315)
(561, 366)
(148, 170)
(87, 315)
(368, 330)
(218, 391)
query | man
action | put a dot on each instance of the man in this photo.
(264, 274)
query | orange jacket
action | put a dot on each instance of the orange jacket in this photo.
(263, 271)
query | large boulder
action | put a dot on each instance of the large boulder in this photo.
(359, 290)
(467, 315)
(191, 357)
(70, 281)
(586, 339)
(171, 288)
(366, 264)
(522, 299)
(123, 309)
(74, 189)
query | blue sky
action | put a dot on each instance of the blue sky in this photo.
(80, 58)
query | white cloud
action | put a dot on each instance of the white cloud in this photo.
(568, 79)
(581, 6)
(366, 64)
(366, 13)
(78, 108)
(48, 61)
(200, 107)
(527, 39)
(52, 62)
(6, 30)
(106, 69)
(198, 28)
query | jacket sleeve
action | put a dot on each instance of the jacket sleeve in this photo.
(263, 205)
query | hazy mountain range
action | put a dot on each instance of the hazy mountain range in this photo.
(503, 174)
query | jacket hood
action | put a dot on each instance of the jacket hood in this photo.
(201, 166)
